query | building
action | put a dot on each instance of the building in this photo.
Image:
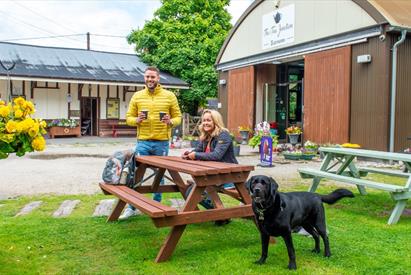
(90, 86)
(338, 68)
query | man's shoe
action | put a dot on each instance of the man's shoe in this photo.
(127, 214)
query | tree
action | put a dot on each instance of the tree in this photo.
(184, 39)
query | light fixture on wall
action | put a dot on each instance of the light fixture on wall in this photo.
(222, 82)
(365, 58)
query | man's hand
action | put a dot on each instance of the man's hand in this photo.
(141, 117)
(167, 120)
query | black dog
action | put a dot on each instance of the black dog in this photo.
(278, 213)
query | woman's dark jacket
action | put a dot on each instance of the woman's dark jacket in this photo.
(221, 149)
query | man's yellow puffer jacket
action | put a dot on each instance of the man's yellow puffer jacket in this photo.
(161, 100)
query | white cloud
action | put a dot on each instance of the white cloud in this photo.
(25, 19)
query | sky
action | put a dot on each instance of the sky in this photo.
(108, 21)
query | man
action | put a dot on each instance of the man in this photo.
(154, 111)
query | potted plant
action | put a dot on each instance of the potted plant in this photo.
(19, 133)
(262, 129)
(245, 134)
(64, 127)
(292, 155)
(293, 133)
(310, 146)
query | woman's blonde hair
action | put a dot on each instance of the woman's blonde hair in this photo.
(218, 124)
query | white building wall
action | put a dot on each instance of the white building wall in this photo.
(50, 103)
(314, 19)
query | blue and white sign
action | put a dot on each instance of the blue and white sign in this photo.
(278, 27)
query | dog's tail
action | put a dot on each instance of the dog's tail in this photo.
(336, 196)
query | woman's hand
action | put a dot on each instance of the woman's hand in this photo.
(192, 155)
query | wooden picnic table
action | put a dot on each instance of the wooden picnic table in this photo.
(206, 176)
(339, 165)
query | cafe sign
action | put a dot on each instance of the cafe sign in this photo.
(278, 27)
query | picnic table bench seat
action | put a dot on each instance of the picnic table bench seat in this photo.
(310, 173)
(146, 205)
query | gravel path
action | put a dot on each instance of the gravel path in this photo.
(68, 166)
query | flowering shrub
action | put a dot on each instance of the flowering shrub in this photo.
(19, 133)
(262, 129)
(293, 130)
(244, 128)
(63, 122)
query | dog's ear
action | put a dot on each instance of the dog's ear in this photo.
(248, 184)
(273, 187)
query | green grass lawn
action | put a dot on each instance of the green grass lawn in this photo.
(361, 242)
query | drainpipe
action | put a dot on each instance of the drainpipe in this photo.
(394, 87)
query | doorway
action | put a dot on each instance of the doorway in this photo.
(89, 116)
(283, 101)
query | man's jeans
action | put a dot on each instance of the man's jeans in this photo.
(152, 148)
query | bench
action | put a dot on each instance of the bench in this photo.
(339, 165)
(311, 173)
(146, 205)
(121, 128)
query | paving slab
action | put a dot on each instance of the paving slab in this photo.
(29, 208)
(65, 209)
(104, 208)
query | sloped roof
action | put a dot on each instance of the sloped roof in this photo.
(397, 12)
(78, 64)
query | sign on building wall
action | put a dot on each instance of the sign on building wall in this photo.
(113, 105)
(278, 27)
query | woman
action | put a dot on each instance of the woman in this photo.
(216, 144)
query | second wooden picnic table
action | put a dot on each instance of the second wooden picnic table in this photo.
(206, 176)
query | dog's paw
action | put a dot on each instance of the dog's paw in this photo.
(260, 261)
(327, 254)
(292, 266)
(315, 250)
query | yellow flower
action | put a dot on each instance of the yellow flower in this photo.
(11, 126)
(33, 131)
(7, 137)
(43, 124)
(19, 101)
(39, 143)
(2, 103)
(26, 124)
(18, 113)
(29, 107)
(5, 111)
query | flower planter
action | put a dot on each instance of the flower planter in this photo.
(292, 156)
(307, 156)
(244, 135)
(64, 131)
(293, 138)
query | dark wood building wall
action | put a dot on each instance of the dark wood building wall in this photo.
(223, 95)
(370, 96)
(241, 102)
(403, 102)
(327, 96)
